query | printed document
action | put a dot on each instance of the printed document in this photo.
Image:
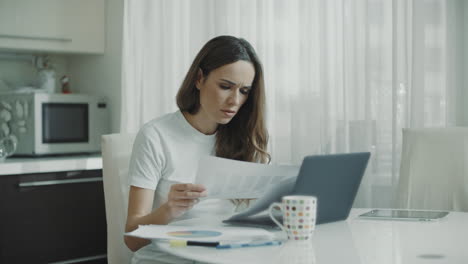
(231, 179)
(272, 194)
(200, 233)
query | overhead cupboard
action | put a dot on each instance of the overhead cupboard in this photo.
(57, 26)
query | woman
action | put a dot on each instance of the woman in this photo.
(221, 104)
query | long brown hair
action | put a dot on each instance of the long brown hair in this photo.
(245, 137)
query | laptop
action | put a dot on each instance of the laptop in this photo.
(334, 179)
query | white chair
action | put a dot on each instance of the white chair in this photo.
(434, 169)
(116, 151)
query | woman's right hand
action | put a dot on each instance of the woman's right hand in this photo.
(182, 197)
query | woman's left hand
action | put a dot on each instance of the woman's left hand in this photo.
(182, 197)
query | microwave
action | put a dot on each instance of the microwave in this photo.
(49, 124)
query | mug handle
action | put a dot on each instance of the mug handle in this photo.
(270, 212)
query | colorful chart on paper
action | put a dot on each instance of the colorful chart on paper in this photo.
(194, 233)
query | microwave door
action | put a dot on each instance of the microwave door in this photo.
(64, 128)
(65, 123)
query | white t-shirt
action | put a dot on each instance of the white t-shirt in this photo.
(166, 151)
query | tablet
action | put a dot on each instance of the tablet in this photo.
(410, 215)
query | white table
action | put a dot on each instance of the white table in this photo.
(353, 241)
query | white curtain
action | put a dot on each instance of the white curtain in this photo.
(341, 75)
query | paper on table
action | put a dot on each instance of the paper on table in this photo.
(272, 194)
(228, 234)
(232, 179)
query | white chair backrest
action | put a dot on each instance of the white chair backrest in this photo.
(434, 169)
(116, 152)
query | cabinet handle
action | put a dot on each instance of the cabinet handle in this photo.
(36, 37)
(57, 182)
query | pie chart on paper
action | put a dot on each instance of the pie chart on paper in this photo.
(194, 234)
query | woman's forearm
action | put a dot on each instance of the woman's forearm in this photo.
(160, 216)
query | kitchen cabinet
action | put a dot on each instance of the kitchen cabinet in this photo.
(60, 26)
(52, 216)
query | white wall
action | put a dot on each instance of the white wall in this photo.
(465, 47)
(455, 55)
(458, 58)
(101, 74)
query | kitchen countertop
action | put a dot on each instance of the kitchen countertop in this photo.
(24, 165)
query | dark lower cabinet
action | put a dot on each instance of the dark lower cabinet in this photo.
(52, 217)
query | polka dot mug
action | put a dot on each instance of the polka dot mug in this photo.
(299, 214)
